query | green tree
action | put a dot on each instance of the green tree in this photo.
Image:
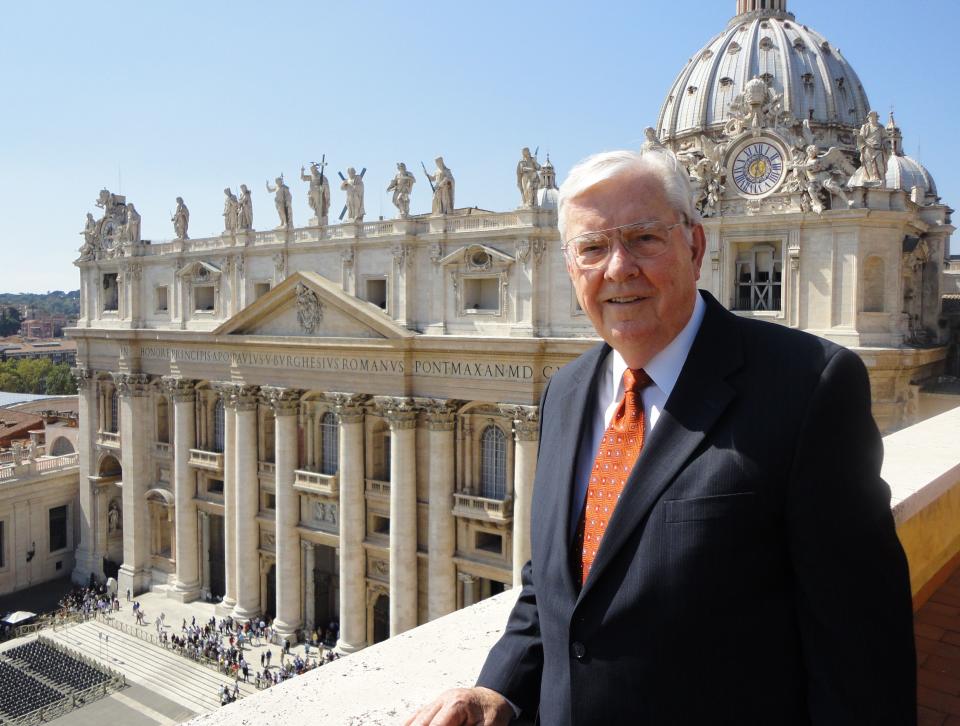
(9, 321)
(59, 381)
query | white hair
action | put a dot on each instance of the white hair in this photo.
(608, 164)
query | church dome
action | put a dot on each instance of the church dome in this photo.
(906, 173)
(764, 41)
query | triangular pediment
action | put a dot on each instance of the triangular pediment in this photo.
(307, 304)
(477, 256)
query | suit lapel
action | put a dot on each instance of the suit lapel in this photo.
(569, 416)
(697, 401)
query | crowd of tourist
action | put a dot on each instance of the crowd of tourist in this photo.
(225, 643)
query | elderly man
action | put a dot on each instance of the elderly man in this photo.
(711, 539)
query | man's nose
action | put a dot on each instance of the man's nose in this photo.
(621, 265)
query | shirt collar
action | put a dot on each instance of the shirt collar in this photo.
(664, 368)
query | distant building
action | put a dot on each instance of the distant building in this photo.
(58, 350)
(39, 505)
(45, 326)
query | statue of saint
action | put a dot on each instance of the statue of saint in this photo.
(113, 517)
(443, 188)
(89, 247)
(132, 227)
(872, 144)
(181, 219)
(283, 201)
(824, 173)
(319, 194)
(244, 210)
(231, 208)
(401, 185)
(528, 178)
(353, 186)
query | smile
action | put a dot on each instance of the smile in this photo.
(625, 300)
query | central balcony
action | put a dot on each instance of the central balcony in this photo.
(315, 482)
(209, 460)
(482, 509)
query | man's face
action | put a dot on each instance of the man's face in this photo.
(637, 306)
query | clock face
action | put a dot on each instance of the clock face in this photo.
(757, 168)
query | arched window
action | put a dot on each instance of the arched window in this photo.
(61, 447)
(114, 412)
(493, 463)
(163, 421)
(218, 426)
(330, 438)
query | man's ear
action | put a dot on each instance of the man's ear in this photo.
(698, 248)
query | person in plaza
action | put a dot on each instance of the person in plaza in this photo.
(711, 541)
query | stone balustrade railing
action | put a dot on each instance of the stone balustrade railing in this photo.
(316, 482)
(478, 221)
(108, 439)
(212, 460)
(37, 467)
(162, 450)
(385, 682)
(482, 508)
(266, 468)
(376, 486)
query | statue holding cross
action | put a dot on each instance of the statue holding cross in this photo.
(319, 194)
(352, 184)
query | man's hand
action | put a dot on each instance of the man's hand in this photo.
(464, 707)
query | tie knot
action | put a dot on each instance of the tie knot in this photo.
(635, 380)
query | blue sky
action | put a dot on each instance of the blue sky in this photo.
(159, 100)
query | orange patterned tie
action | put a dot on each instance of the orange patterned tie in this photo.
(618, 452)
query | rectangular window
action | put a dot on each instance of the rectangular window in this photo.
(269, 501)
(58, 528)
(376, 292)
(381, 525)
(111, 295)
(758, 277)
(481, 294)
(162, 306)
(215, 486)
(489, 542)
(260, 289)
(203, 296)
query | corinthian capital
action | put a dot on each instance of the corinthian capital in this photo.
(349, 406)
(400, 411)
(526, 420)
(84, 377)
(179, 389)
(131, 384)
(440, 412)
(284, 401)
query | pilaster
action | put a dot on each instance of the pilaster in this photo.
(353, 610)
(441, 582)
(526, 425)
(401, 415)
(285, 403)
(183, 393)
(134, 390)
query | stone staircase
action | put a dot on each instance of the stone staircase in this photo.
(180, 679)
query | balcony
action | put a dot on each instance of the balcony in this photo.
(482, 509)
(209, 460)
(162, 450)
(378, 488)
(315, 482)
(386, 682)
(30, 468)
(266, 469)
(108, 439)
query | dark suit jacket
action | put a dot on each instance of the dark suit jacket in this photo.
(750, 573)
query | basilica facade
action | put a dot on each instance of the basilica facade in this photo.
(339, 421)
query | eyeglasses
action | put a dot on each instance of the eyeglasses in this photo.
(642, 240)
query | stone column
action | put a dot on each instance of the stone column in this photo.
(353, 611)
(133, 389)
(525, 431)
(442, 574)
(468, 583)
(247, 499)
(89, 557)
(285, 403)
(205, 554)
(229, 601)
(402, 417)
(309, 589)
(187, 585)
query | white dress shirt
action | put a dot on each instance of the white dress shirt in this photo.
(664, 370)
